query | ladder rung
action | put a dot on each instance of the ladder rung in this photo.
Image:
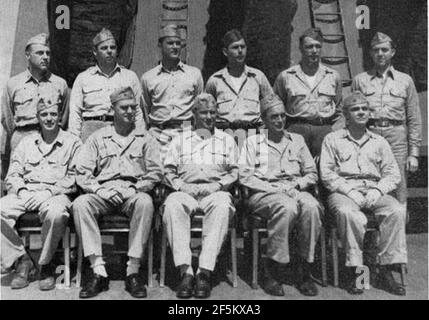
(335, 60)
(333, 34)
(328, 14)
(347, 83)
(335, 57)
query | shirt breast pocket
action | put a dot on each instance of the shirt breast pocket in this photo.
(22, 100)
(398, 96)
(93, 95)
(224, 106)
(137, 159)
(32, 164)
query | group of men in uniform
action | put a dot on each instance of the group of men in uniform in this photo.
(167, 128)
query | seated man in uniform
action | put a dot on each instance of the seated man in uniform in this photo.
(41, 178)
(200, 167)
(278, 169)
(358, 167)
(117, 167)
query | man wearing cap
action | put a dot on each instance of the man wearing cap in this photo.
(117, 168)
(41, 179)
(279, 170)
(169, 89)
(200, 167)
(358, 168)
(238, 88)
(20, 97)
(394, 108)
(311, 92)
(90, 106)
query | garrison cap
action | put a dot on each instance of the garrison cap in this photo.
(170, 30)
(123, 93)
(41, 38)
(313, 33)
(270, 102)
(355, 98)
(203, 99)
(380, 37)
(102, 36)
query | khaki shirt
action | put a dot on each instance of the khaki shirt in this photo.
(395, 98)
(35, 170)
(21, 95)
(242, 105)
(192, 159)
(323, 100)
(169, 95)
(265, 167)
(90, 95)
(345, 165)
(105, 161)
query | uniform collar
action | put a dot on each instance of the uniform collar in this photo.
(391, 72)
(180, 66)
(192, 134)
(345, 134)
(223, 73)
(59, 139)
(28, 76)
(320, 74)
(110, 131)
(98, 70)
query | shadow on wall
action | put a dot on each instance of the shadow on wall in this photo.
(266, 25)
(72, 49)
(406, 23)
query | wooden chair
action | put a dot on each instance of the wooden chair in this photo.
(29, 223)
(257, 226)
(196, 230)
(119, 224)
(372, 227)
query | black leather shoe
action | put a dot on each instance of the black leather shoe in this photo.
(94, 286)
(47, 277)
(352, 282)
(386, 282)
(23, 272)
(135, 286)
(202, 286)
(273, 287)
(186, 287)
(308, 288)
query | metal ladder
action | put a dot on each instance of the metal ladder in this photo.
(327, 15)
(176, 12)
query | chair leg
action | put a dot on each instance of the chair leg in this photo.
(150, 260)
(234, 257)
(323, 256)
(163, 258)
(255, 256)
(66, 248)
(404, 274)
(335, 255)
(79, 264)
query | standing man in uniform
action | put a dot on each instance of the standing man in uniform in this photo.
(90, 107)
(200, 167)
(311, 92)
(41, 178)
(169, 90)
(117, 168)
(20, 97)
(238, 88)
(358, 168)
(278, 169)
(394, 108)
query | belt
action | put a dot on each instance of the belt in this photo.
(28, 127)
(172, 124)
(100, 118)
(384, 122)
(244, 125)
(314, 122)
